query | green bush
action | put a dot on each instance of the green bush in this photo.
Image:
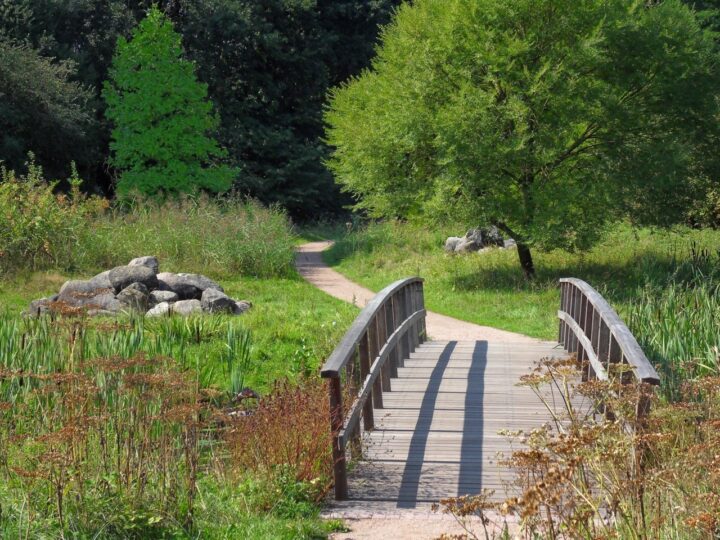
(38, 228)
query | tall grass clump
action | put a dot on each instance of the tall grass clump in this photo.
(103, 434)
(678, 323)
(42, 229)
(224, 237)
(108, 445)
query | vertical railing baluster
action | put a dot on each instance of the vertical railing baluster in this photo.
(373, 349)
(399, 350)
(364, 349)
(382, 338)
(423, 326)
(389, 329)
(402, 299)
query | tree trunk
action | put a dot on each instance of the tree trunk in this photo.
(526, 261)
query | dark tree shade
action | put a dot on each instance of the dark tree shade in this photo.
(41, 110)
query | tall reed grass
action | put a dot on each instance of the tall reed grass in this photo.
(103, 434)
(225, 236)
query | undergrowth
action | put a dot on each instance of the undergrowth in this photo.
(103, 435)
(592, 475)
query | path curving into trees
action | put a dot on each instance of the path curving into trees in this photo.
(310, 265)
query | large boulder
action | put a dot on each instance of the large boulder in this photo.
(135, 297)
(187, 307)
(151, 262)
(103, 301)
(123, 276)
(492, 237)
(41, 306)
(214, 301)
(472, 241)
(475, 240)
(82, 288)
(186, 286)
(158, 297)
(102, 280)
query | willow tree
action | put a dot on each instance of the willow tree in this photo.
(547, 118)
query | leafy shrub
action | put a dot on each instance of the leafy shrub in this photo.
(39, 228)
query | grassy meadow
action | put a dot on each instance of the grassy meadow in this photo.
(129, 428)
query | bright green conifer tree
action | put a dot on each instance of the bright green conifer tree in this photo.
(161, 140)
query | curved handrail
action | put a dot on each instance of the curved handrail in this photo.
(590, 327)
(342, 354)
(387, 330)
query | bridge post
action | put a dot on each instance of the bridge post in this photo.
(338, 452)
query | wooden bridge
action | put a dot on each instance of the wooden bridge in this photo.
(420, 418)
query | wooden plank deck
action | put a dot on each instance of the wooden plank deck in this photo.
(437, 435)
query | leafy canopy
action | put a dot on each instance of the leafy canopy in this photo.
(162, 117)
(548, 118)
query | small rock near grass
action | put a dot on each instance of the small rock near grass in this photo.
(241, 307)
(160, 310)
(157, 297)
(187, 307)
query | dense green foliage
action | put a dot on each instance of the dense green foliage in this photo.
(41, 109)
(163, 121)
(548, 119)
(268, 65)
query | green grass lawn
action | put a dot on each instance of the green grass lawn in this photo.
(489, 288)
(294, 326)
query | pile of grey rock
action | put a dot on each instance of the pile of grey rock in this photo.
(479, 239)
(140, 287)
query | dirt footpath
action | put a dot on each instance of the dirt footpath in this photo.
(309, 263)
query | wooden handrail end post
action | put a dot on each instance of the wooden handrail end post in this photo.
(338, 452)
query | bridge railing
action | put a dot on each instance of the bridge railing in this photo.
(361, 367)
(592, 329)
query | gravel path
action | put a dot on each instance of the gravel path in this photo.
(385, 520)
